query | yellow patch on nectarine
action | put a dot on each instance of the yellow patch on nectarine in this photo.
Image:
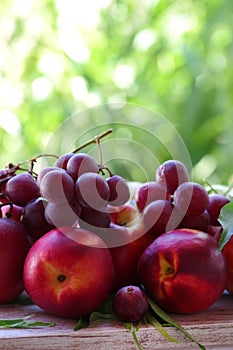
(167, 270)
(63, 281)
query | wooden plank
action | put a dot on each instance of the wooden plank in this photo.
(212, 328)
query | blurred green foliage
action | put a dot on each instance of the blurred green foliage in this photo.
(59, 57)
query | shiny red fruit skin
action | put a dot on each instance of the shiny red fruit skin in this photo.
(183, 271)
(14, 246)
(130, 304)
(68, 272)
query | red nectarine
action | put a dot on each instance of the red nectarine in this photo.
(14, 245)
(183, 271)
(228, 255)
(68, 272)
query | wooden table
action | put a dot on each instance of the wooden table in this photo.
(212, 328)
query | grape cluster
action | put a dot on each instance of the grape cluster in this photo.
(174, 201)
(74, 191)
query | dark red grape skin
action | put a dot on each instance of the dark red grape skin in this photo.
(130, 304)
(91, 218)
(216, 202)
(22, 188)
(60, 214)
(92, 190)
(190, 198)
(160, 216)
(62, 161)
(171, 174)
(198, 222)
(119, 190)
(43, 172)
(81, 163)
(33, 218)
(149, 192)
(57, 186)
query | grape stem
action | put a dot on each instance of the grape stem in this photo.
(96, 140)
(93, 140)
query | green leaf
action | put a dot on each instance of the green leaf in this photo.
(164, 316)
(226, 220)
(161, 328)
(81, 324)
(130, 326)
(99, 315)
(23, 323)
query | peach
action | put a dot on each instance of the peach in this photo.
(68, 272)
(183, 271)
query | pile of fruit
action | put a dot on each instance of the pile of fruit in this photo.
(75, 233)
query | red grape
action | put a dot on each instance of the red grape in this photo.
(171, 174)
(149, 192)
(57, 186)
(130, 304)
(92, 190)
(216, 202)
(190, 198)
(22, 188)
(160, 216)
(60, 214)
(62, 161)
(198, 222)
(119, 190)
(33, 218)
(81, 163)
(43, 172)
(91, 218)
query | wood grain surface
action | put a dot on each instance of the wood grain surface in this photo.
(213, 328)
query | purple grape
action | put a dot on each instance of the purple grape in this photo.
(92, 190)
(33, 218)
(171, 174)
(57, 186)
(119, 190)
(60, 214)
(149, 192)
(91, 218)
(190, 198)
(198, 222)
(81, 163)
(62, 161)
(160, 216)
(130, 304)
(22, 188)
(216, 202)
(43, 172)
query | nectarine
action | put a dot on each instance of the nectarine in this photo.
(68, 272)
(14, 245)
(183, 271)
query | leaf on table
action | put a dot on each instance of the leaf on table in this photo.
(23, 323)
(101, 316)
(133, 330)
(164, 316)
(82, 323)
(160, 327)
